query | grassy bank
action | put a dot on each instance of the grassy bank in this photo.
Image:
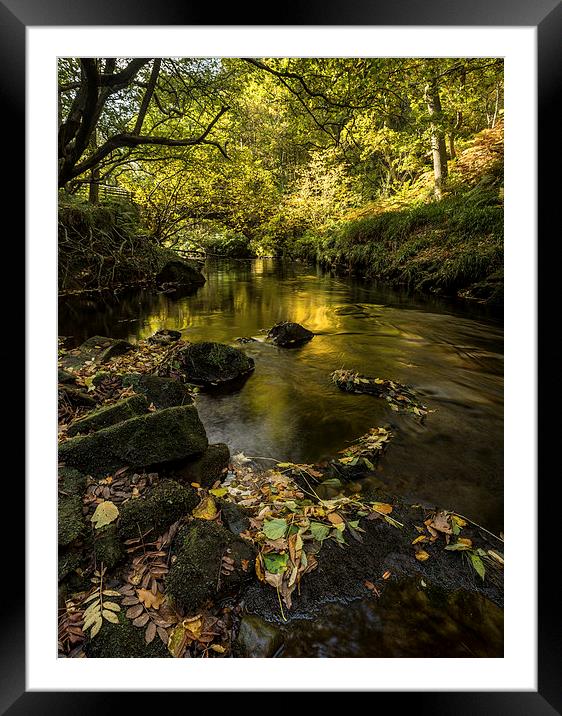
(103, 246)
(451, 247)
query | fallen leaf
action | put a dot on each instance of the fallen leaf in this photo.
(149, 599)
(422, 555)
(106, 512)
(206, 509)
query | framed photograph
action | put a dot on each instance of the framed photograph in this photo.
(267, 262)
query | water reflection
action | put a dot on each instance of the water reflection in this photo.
(408, 621)
(289, 409)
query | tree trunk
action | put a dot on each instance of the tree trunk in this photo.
(438, 146)
(452, 150)
(94, 193)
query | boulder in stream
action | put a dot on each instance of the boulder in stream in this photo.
(211, 364)
(161, 392)
(165, 337)
(180, 272)
(289, 335)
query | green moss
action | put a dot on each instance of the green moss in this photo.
(152, 439)
(108, 547)
(194, 576)
(166, 503)
(207, 363)
(123, 640)
(71, 481)
(70, 519)
(109, 415)
(162, 392)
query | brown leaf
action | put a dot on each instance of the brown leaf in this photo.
(163, 634)
(141, 621)
(129, 601)
(134, 612)
(150, 632)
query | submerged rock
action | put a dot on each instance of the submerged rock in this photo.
(161, 392)
(211, 364)
(164, 337)
(109, 415)
(196, 575)
(208, 468)
(289, 335)
(152, 439)
(163, 505)
(257, 639)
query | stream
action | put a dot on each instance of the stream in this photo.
(450, 353)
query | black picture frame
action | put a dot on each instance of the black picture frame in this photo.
(546, 16)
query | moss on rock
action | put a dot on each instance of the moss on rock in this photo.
(162, 392)
(166, 503)
(109, 415)
(153, 439)
(108, 548)
(208, 364)
(194, 576)
(208, 468)
(70, 519)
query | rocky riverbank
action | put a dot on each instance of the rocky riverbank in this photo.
(169, 546)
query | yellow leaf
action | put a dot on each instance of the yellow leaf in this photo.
(206, 509)
(386, 575)
(150, 600)
(422, 555)
(335, 519)
(110, 616)
(421, 538)
(218, 648)
(195, 484)
(96, 628)
(106, 512)
(260, 573)
(465, 540)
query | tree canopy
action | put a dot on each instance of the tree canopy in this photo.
(264, 147)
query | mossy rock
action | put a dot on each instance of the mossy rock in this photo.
(289, 335)
(99, 349)
(109, 415)
(69, 561)
(108, 547)
(71, 522)
(71, 481)
(161, 392)
(65, 377)
(75, 396)
(194, 576)
(168, 435)
(164, 337)
(210, 364)
(124, 641)
(208, 468)
(163, 505)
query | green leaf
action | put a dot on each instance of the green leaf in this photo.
(106, 512)
(458, 546)
(319, 531)
(477, 564)
(274, 529)
(219, 492)
(275, 563)
(332, 482)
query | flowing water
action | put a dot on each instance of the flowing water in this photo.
(289, 409)
(452, 355)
